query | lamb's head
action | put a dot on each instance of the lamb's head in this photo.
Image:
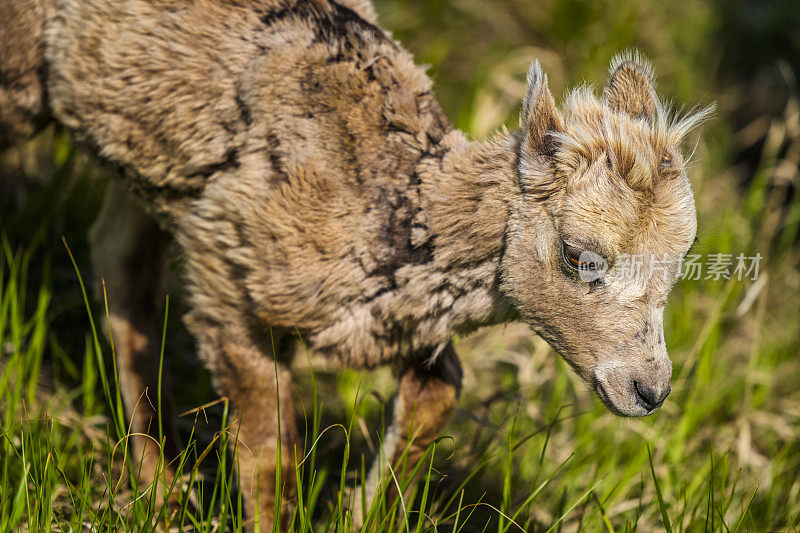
(606, 216)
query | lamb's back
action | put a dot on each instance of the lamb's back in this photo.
(171, 89)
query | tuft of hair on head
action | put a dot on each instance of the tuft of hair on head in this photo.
(628, 117)
(629, 114)
(679, 124)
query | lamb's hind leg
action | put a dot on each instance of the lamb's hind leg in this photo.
(128, 251)
(426, 396)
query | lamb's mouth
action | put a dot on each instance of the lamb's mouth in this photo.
(603, 395)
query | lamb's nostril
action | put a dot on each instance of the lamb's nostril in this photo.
(648, 396)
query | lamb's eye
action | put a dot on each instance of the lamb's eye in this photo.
(609, 162)
(590, 266)
(572, 256)
(666, 160)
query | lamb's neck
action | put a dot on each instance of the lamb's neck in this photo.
(467, 196)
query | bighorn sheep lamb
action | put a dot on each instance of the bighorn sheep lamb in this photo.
(316, 188)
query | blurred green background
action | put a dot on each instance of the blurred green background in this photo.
(725, 446)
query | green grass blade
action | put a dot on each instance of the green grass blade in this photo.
(662, 507)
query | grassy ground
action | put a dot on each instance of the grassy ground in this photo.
(529, 448)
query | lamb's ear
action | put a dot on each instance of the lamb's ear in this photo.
(631, 88)
(539, 113)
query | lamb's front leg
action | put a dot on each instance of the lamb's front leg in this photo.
(259, 387)
(426, 396)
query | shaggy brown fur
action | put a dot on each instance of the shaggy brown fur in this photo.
(313, 183)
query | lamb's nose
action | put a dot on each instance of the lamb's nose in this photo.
(648, 396)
